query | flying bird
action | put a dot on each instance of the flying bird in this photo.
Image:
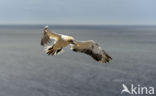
(89, 47)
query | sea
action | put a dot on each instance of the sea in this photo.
(25, 69)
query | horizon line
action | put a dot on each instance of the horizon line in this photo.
(79, 24)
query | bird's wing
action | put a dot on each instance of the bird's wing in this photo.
(47, 35)
(91, 48)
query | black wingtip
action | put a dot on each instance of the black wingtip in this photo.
(41, 44)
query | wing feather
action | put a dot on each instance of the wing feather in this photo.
(45, 38)
(47, 35)
(92, 49)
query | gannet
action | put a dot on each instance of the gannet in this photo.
(89, 47)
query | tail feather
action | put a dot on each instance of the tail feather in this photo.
(51, 51)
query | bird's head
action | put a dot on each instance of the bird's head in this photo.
(45, 29)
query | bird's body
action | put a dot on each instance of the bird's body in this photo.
(89, 47)
(61, 41)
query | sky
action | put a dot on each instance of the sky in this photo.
(85, 12)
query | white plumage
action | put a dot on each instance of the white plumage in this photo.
(61, 41)
(89, 47)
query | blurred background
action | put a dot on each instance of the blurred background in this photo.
(88, 12)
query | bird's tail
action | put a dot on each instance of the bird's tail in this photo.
(46, 48)
(51, 51)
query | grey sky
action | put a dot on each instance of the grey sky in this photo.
(92, 12)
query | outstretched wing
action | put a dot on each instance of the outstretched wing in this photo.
(91, 48)
(47, 35)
